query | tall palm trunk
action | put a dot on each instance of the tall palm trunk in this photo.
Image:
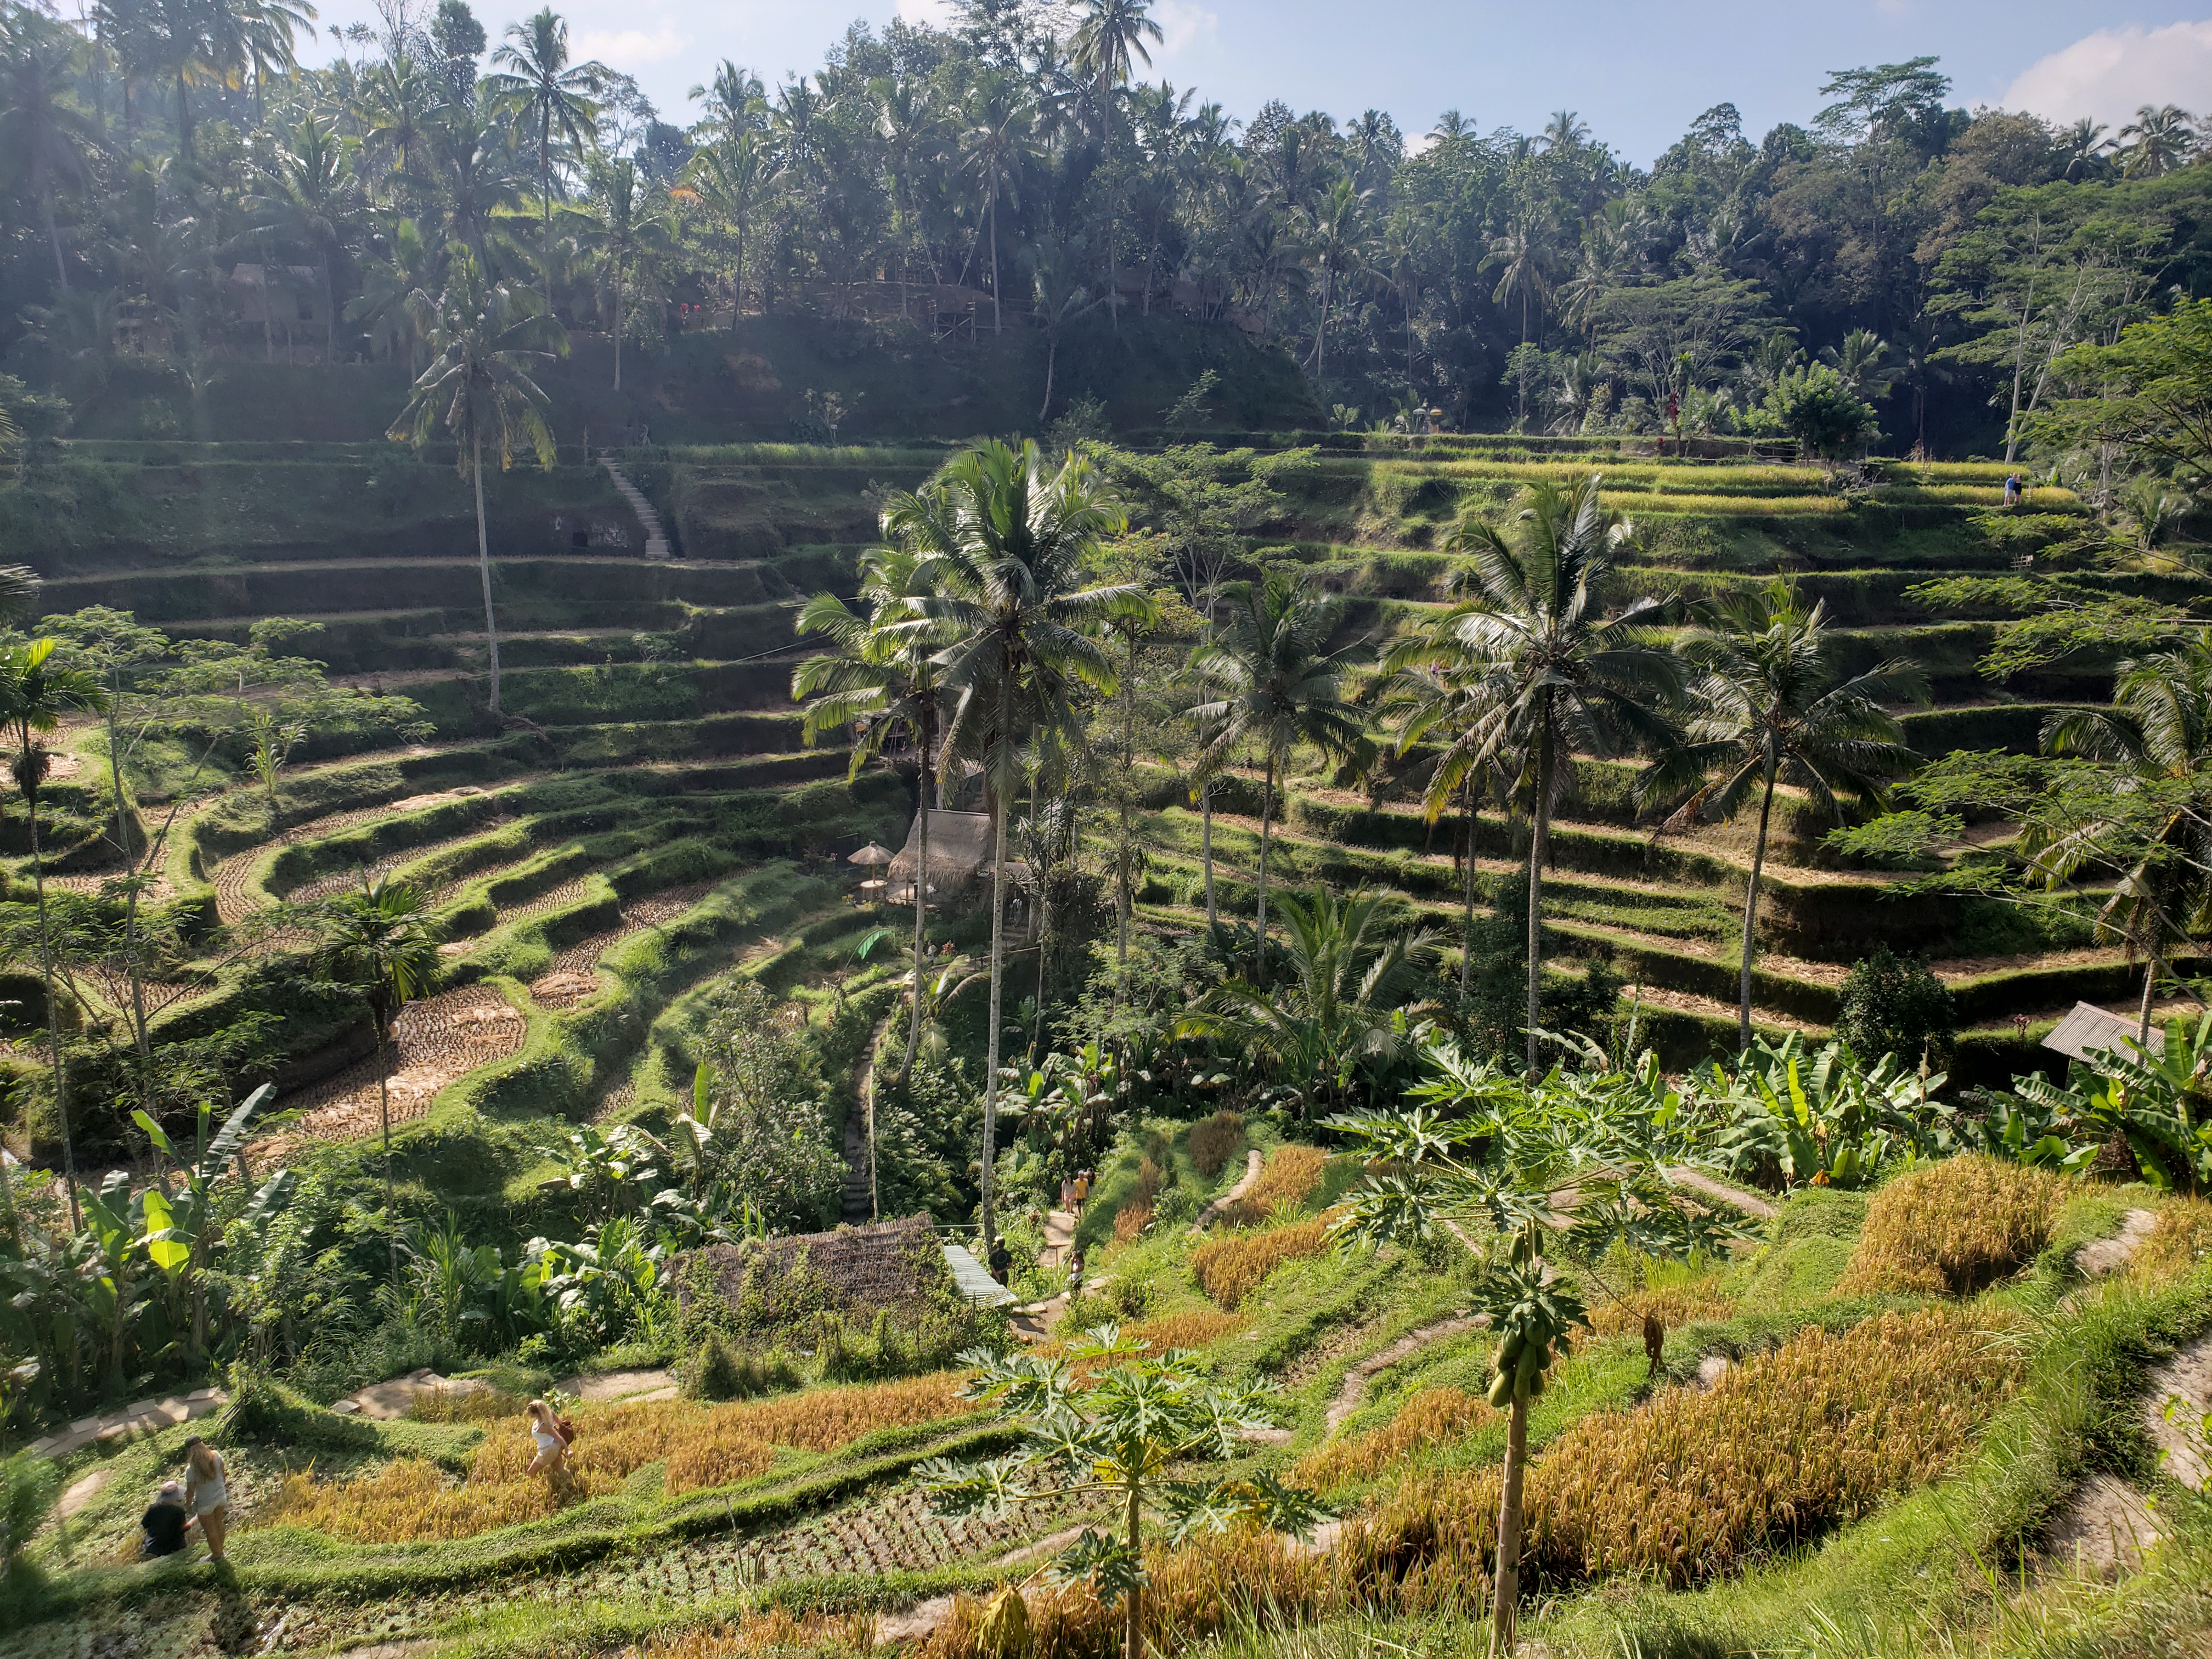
(54, 236)
(2150, 984)
(384, 1114)
(1539, 847)
(123, 840)
(1466, 927)
(998, 970)
(1205, 848)
(53, 999)
(1122, 897)
(1133, 1629)
(1502, 1623)
(483, 566)
(920, 915)
(1267, 824)
(618, 324)
(1751, 910)
(997, 322)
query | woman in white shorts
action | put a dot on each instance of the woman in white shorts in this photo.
(206, 1495)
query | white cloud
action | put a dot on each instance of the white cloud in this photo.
(633, 48)
(2112, 73)
(932, 13)
(1183, 25)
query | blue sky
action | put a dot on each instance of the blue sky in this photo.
(1638, 73)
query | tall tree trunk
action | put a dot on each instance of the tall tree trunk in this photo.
(1506, 1588)
(131, 964)
(53, 1008)
(1133, 1630)
(1467, 930)
(483, 570)
(384, 1113)
(998, 971)
(997, 322)
(920, 910)
(1205, 848)
(2142, 1025)
(1751, 911)
(618, 324)
(1123, 898)
(1051, 357)
(183, 119)
(1267, 824)
(54, 236)
(1539, 851)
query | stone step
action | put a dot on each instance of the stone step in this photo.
(656, 538)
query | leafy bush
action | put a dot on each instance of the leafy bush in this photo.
(1894, 1005)
(1229, 1268)
(1785, 1445)
(1950, 1228)
(1816, 406)
(29, 1487)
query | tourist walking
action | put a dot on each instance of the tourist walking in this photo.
(553, 1437)
(207, 1494)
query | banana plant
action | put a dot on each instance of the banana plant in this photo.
(181, 1227)
(2158, 1097)
(108, 1278)
(1820, 1119)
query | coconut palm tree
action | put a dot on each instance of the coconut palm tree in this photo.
(1110, 42)
(997, 142)
(1767, 707)
(624, 224)
(1560, 676)
(1276, 687)
(1004, 566)
(381, 942)
(35, 692)
(2159, 140)
(2157, 804)
(553, 99)
(730, 179)
(884, 682)
(44, 142)
(309, 196)
(486, 340)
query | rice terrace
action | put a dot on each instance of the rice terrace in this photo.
(948, 856)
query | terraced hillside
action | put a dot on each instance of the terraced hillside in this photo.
(1665, 908)
(646, 819)
(656, 761)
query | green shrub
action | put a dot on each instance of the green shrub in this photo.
(1894, 1005)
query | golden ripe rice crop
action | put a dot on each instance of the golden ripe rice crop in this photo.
(1211, 1143)
(2180, 1239)
(775, 1633)
(1787, 1444)
(701, 1445)
(1433, 1416)
(1951, 1228)
(1229, 1268)
(1674, 1304)
(1287, 1179)
(1197, 1328)
(1191, 1595)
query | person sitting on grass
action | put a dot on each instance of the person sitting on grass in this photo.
(206, 1493)
(162, 1528)
(553, 1438)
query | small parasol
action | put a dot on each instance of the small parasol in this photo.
(873, 852)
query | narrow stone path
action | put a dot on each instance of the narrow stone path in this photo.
(859, 1197)
(1206, 1216)
(1750, 1203)
(1353, 1390)
(656, 538)
(140, 1417)
(2103, 1257)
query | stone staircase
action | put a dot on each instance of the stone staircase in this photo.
(656, 538)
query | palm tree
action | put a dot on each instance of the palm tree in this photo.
(2157, 142)
(997, 142)
(552, 98)
(1339, 241)
(382, 942)
(472, 167)
(307, 198)
(395, 97)
(44, 142)
(35, 692)
(1110, 42)
(1003, 565)
(1767, 707)
(730, 179)
(1349, 971)
(624, 226)
(1560, 676)
(486, 342)
(884, 684)
(1279, 687)
(2157, 738)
